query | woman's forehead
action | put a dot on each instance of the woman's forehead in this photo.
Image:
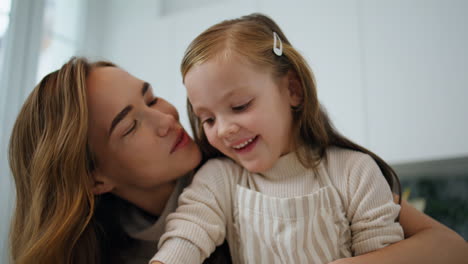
(109, 78)
(109, 90)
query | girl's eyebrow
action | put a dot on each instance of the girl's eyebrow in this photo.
(121, 115)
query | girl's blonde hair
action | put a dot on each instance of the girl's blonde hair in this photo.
(51, 163)
(251, 37)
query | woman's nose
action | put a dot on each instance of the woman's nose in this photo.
(165, 122)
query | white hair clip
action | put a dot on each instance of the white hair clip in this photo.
(278, 50)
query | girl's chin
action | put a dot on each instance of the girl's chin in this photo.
(255, 167)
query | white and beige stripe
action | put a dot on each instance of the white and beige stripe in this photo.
(291, 230)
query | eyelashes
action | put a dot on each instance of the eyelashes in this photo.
(208, 121)
(131, 128)
(242, 107)
(236, 109)
(153, 102)
(134, 124)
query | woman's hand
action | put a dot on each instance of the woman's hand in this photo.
(426, 241)
(345, 261)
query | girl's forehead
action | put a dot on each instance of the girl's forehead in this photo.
(227, 69)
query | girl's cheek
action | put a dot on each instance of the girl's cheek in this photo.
(210, 136)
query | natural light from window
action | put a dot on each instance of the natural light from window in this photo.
(5, 6)
(60, 34)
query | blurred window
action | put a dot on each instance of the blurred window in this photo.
(60, 34)
(5, 6)
(173, 6)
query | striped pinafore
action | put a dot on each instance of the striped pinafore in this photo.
(304, 229)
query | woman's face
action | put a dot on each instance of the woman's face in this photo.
(136, 136)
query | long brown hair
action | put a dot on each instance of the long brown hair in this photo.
(51, 163)
(252, 38)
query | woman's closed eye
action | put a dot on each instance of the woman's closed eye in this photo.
(130, 129)
(153, 102)
(134, 123)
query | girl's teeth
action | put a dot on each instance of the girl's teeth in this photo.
(241, 145)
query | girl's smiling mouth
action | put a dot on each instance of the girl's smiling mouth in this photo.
(246, 145)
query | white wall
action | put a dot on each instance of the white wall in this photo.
(415, 61)
(390, 73)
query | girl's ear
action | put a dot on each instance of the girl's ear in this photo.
(102, 184)
(296, 93)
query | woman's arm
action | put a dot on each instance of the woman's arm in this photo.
(427, 241)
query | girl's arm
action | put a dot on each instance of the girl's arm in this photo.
(427, 241)
(198, 225)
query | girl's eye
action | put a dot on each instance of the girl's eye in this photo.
(208, 121)
(242, 107)
(130, 129)
(153, 102)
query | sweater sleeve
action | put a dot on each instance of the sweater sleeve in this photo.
(371, 210)
(199, 223)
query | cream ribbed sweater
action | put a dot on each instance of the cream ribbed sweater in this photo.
(290, 214)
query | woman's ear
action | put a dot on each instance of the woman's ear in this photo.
(296, 93)
(102, 184)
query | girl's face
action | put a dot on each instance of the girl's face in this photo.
(136, 136)
(246, 113)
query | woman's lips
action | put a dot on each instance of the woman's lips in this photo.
(181, 141)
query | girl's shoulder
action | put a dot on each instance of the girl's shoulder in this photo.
(345, 166)
(344, 159)
(352, 173)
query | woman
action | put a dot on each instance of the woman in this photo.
(99, 162)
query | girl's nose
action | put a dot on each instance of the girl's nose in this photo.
(227, 129)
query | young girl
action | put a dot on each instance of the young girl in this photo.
(302, 193)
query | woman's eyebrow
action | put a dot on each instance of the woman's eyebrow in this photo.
(144, 89)
(119, 117)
